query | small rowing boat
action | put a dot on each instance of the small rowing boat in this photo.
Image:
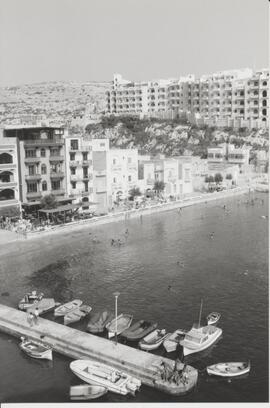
(138, 330)
(36, 349)
(119, 324)
(87, 392)
(213, 318)
(114, 380)
(98, 321)
(171, 342)
(153, 340)
(228, 369)
(67, 307)
(44, 305)
(77, 314)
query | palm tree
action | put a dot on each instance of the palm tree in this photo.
(159, 186)
(135, 191)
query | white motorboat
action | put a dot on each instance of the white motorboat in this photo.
(86, 392)
(36, 349)
(114, 380)
(213, 318)
(199, 338)
(77, 314)
(170, 343)
(153, 340)
(62, 310)
(232, 369)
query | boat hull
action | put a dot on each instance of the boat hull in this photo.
(235, 369)
(42, 355)
(171, 343)
(86, 392)
(67, 307)
(137, 334)
(98, 322)
(153, 344)
(123, 322)
(187, 351)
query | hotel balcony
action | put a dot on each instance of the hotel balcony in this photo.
(75, 177)
(83, 148)
(74, 163)
(57, 175)
(87, 162)
(5, 166)
(58, 192)
(56, 158)
(101, 173)
(85, 193)
(30, 177)
(36, 194)
(43, 142)
(32, 159)
(116, 167)
(7, 184)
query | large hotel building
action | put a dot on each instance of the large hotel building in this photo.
(237, 98)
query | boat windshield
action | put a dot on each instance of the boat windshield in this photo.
(193, 339)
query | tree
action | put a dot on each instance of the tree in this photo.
(135, 191)
(159, 186)
(228, 176)
(218, 178)
(48, 202)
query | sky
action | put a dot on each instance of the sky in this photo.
(90, 40)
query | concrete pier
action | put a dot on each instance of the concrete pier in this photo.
(80, 345)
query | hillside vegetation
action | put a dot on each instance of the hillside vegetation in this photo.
(171, 137)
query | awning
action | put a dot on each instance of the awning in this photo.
(58, 199)
(61, 208)
(10, 211)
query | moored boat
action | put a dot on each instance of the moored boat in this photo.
(213, 318)
(36, 349)
(67, 307)
(171, 342)
(114, 380)
(77, 314)
(44, 305)
(119, 324)
(29, 299)
(153, 340)
(232, 369)
(138, 330)
(98, 321)
(86, 392)
(200, 338)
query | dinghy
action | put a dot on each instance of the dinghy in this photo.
(44, 305)
(36, 349)
(171, 342)
(114, 380)
(67, 307)
(77, 314)
(138, 330)
(153, 340)
(98, 321)
(228, 369)
(86, 392)
(29, 299)
(118, 325)
(213, 318)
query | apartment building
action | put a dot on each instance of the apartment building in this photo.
(174, 172)
(123, 172)
(41, 162)
(79, 170)
(9, 181)
(101, 178)
(228, 155)
(227, 98)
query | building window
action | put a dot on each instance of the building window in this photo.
(42, 152)
(187, 175)
(72, 156)
(114, 179)
(86, 186)
(44, 185)
(43, 169)
(264, 94)
(6, 158)
(129, 178)
(85, 172)
(73, 171)
(56, 185)
(73, 184)
(85, 156)
(31, 170)
(74, 144)
(32, 187)
(30, 153)
(102, 145)
(129, 160)
(114, 161)
(55, 152)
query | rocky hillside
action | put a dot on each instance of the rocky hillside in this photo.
(171, 137)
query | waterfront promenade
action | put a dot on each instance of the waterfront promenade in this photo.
(126, 215)
(80, 345)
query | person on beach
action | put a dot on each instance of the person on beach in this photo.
(30, 319)
(126, 233)
(212, 235)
